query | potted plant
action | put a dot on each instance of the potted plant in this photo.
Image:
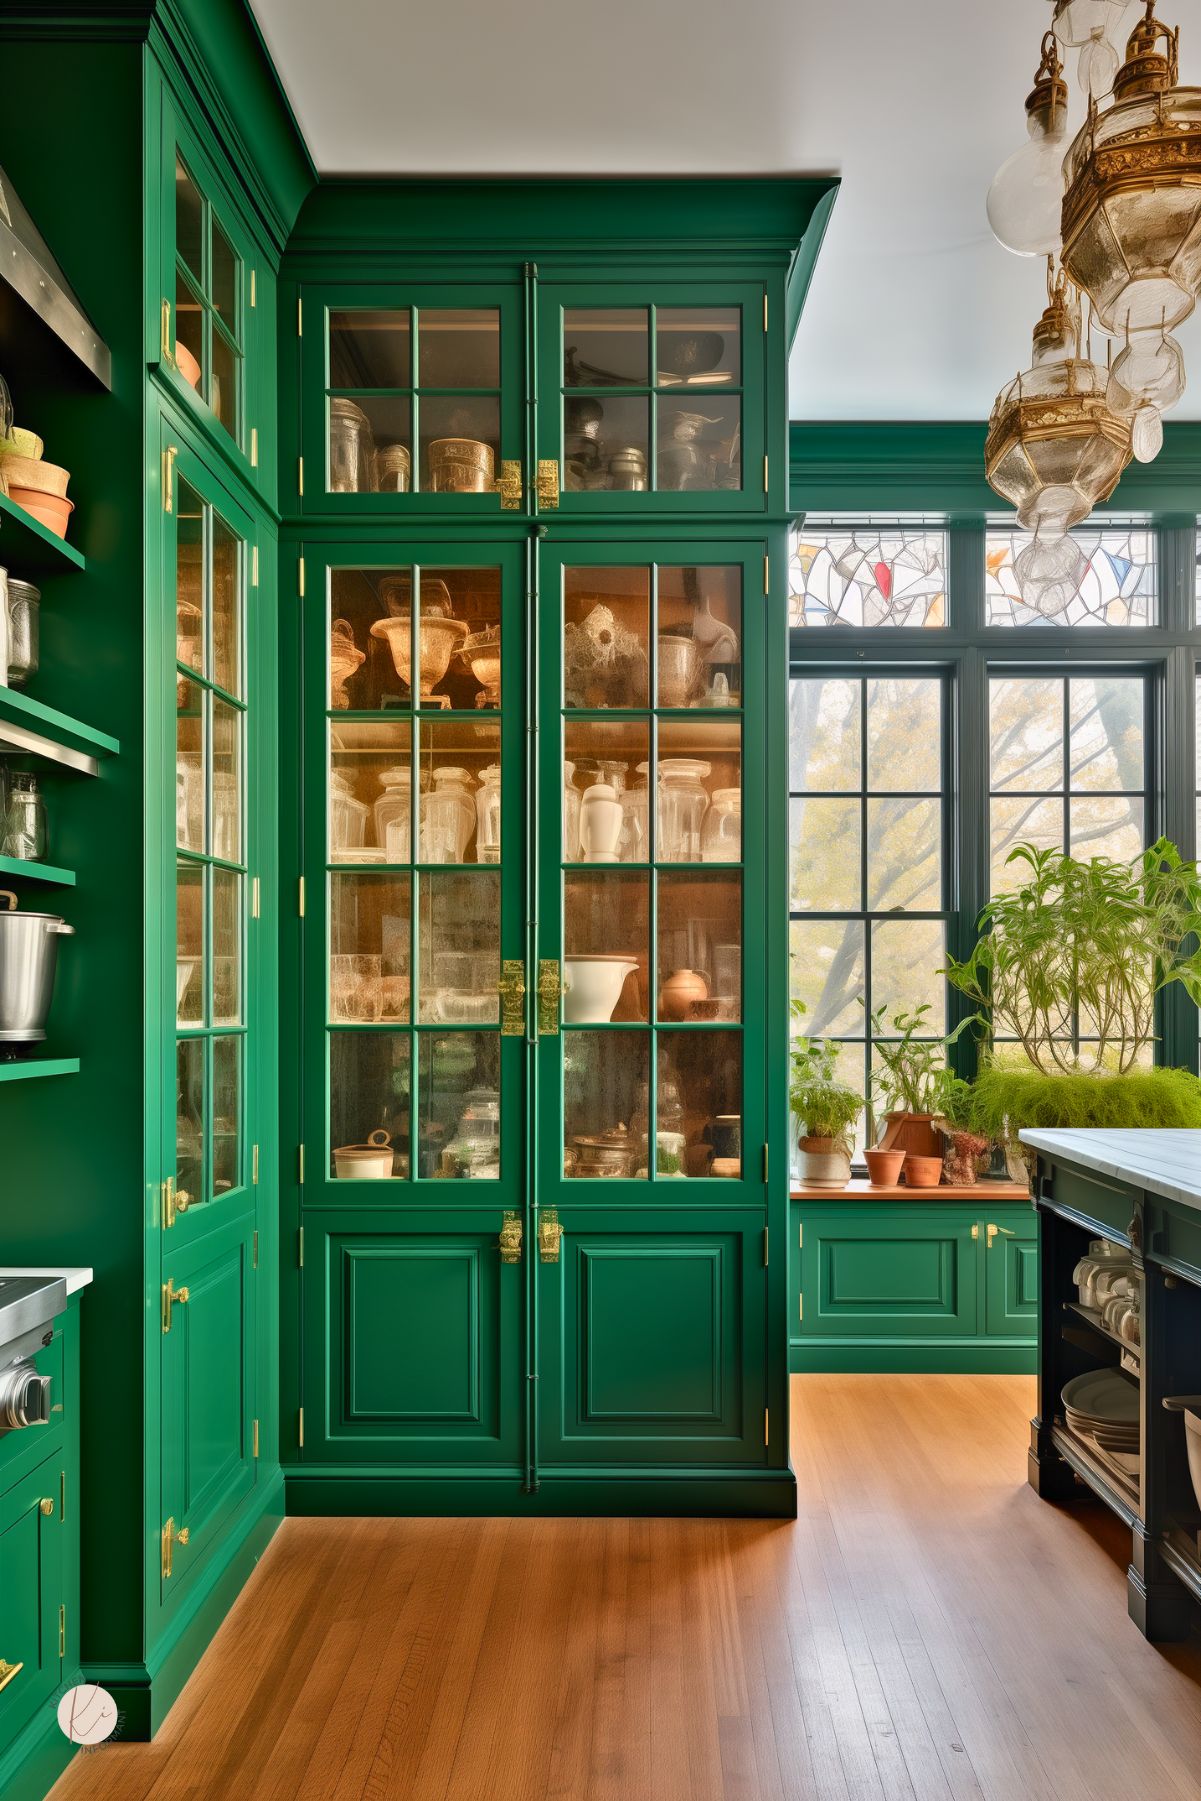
(911, 1082)
(965, 1145)
(826, 1111)
(1068, 967)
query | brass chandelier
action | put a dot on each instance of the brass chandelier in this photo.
(1119, 210)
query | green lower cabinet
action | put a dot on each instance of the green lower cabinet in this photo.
(892, 1286)
(31, 1594)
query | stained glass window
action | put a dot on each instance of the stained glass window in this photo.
(1117, 582)
(867, 575)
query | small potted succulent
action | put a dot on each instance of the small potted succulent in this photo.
(826, 1111)
(967, 1149)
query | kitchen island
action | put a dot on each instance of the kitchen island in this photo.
(1125, 1201)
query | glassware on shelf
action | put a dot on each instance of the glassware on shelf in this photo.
(24, 820)
(635, 828)
(440, 637)
(716, 641)
(481, 653)
(721, 835)
(393, 469)
(683, 803)
(680, 669)
(23, 601)
(355, 988)
(347, 817)
(226, 834)
(345, 659)
(474, 1151)
(487, 812)
(351, 449)
(571, 815)
(448, 816)
(601, 820)
(628, 470)
(604, 662)
(461, 466)
(189, 801)
(727, 980)
(392, 814)
(683, 995)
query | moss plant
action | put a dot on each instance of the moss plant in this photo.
(1006, 1099)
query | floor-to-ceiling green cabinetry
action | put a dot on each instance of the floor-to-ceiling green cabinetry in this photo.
(532, 446)
(157, 1162)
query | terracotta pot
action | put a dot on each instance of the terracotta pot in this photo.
(31, 472)
(922, 1172)
(187, 365)
(682, 989)
(913, 1133)
(47, 509)
(824, 1163)
(884, 1167)
(962, 1158)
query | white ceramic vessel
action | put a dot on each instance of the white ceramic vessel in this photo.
(601, 821)
(592, 988)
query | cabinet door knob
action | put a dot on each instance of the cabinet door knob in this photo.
(46, 1506)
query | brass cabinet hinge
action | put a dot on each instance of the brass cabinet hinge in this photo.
(511, 988)
(550, 989)
(62, 1631)
(254, 565)
(254, 1252)
(169, 456)
(300, 1247)
(765, 475)
(254, 447)
(300, 578)
(8, 1671)
(300, 1428)
(300, 475)
(765, 1246)
(300, 898)
(170, 1537)
(254, 1441)
(256, 899)
(253, 288)
(550, 1235)
(165, 344)
(173, 1297)
(254, 1165)
(548, 483)
(509, 1242)
(509, 485)
(299, 317)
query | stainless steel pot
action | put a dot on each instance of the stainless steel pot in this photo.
(28, 954)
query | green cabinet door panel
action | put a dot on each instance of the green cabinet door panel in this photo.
(872, 1271)
(1011, 1273)
(31, 1592)
(653, 1339)
(412, 1339)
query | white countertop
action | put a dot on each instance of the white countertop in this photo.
(1166, 1162)
(76, 1278)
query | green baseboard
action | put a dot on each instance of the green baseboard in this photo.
(146, 1693)
(742, 1494)
(913, 1357)
(33, 1764)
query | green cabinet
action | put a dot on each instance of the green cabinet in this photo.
(31, 1582)
(908, 1285)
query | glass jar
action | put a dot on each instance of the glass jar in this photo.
(487, 812)
(347, 816)
(447, 817)
(635, 825)
(683, 803)
(571, 815)
(25, 820)
(351, 449)
(393, 814)
(721, 838)
(23, 602)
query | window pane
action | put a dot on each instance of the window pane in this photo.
(1113, 581)
(906, 957)
(370, 348)
(1021, 821)
(823, 735)
(1108, 826)
(828, 975)
(867, 576)
(1106, 723)
(369, 1082)
(1026, 734)
(904, 735)
(904, 854)
(458, 347)
(825, 855)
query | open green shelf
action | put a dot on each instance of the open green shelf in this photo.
(28, 548)
(31, 727)
(26, 871)
(39, 1066)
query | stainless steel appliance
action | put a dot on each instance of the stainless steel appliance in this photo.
(28, 954)
(28, 1307)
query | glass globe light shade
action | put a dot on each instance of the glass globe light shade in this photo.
(1079, 21)
(1025, 200)
(1098, 65)
(1049, 572)
(1146, 433)
(1149, 371)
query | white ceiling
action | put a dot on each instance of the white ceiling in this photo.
(915, 311)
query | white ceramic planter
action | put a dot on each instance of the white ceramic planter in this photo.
(823, 1163)
(592, 988)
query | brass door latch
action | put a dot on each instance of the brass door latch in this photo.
(171, 1538)
(997, 1231)
(512, 997)
(550, 1236)
(509, 486)
(173, 1201)
(550, 990)
(548, 483)
(172, 1296)
(509, 1241)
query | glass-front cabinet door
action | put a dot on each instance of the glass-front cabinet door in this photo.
(651, 983)
(651, 399)
(411, 399)
(414, 848)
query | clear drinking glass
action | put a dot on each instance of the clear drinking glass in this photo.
(683, 803)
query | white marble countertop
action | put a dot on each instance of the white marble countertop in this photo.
(1166, 1162)
(76, 1278)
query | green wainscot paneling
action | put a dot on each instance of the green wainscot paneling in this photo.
(899, 1285)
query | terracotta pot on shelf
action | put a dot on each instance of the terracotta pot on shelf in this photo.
(913, 1133)
(922, 1172)
(824, 1163)
(884, 1167)
(47, 509)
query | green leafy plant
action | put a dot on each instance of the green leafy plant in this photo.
(913, 1076)
(826, 1107)
(1004, 1099)
(1084, 947)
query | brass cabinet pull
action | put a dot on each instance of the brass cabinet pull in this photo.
(169, 456)
(183, 1200)
(8, 1671)
(550, 990)
(510, 1239)
(548, 482)
(550, 1236)
(172, 1296)
(170, 1538)
(997, 1231)
(167, 347)
(173, 1201)
(511, 988)
(509, 486)
(46, 1506)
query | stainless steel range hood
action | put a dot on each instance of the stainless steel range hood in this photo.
(28, 268)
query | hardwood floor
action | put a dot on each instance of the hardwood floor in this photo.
(927, 1630)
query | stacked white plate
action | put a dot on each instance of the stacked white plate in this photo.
(1102, 1407)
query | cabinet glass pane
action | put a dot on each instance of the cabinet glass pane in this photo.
(227, 1114)
(370, 347)
(459, 1105)
(698, 790)
(458, 347)
(369, 1081)
(190, 1114)
(189, 765)
(369, 937)
(606, 443)
(370, 444)
(699, 444)
(459, 935)
(698, 1120)
(605, 793)
(698, 346)
(225, 385)
(459, 792)
(699, 637)
(606, 947)
(227, 782)
(189, 331)
(606, 347)
(700, 946)
(189, 221)
(459, 614)
(227, 608)
(226, 280)
(606, 636)
(370, 797)
(190, 617)
(371, 631)
(605, 1078)
(189, 944)
(459, 442)
(227, 947)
